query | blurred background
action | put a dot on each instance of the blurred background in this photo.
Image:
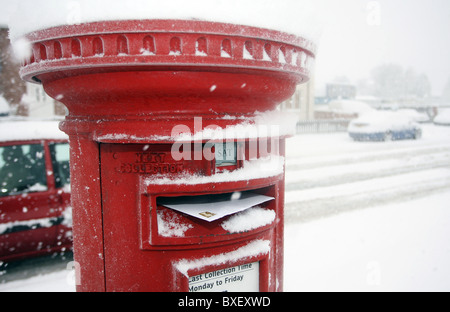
(360, 216)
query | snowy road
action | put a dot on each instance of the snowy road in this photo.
(326, 174)
(400, 241)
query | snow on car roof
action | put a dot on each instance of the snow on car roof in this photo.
(383, 116)
(30, 130)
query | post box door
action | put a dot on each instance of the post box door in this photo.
(135, 252)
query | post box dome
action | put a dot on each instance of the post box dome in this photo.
(154, 68)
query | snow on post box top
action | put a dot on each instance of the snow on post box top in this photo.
(297, 17)
(32, 18)
(232, 58)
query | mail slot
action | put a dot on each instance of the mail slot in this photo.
(190, 213)
(177, 181)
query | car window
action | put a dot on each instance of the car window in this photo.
(60, 160)
(22, 169)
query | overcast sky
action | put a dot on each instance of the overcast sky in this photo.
(358, 35)
(361, 34)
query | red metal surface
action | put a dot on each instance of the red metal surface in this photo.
(208, 74)
(127, 84)
(135, 245)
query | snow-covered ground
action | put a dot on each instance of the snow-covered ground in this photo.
(360, 216)
(395, 247)
(368, 216)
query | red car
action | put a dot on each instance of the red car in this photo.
(35, 211)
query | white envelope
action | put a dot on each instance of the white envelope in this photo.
(214, 207)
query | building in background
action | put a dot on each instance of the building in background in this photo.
(311, 102)
(327, 92)
(4, 107)
(36, 103)
(340, 91)
(302, 102)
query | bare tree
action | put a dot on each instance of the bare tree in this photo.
(391, 81)
(388, 81)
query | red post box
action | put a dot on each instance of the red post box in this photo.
(176, 183)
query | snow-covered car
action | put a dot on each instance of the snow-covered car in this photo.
(443, 118)
(35, 213)
(384, 126)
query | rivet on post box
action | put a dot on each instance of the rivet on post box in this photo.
(177, 183)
